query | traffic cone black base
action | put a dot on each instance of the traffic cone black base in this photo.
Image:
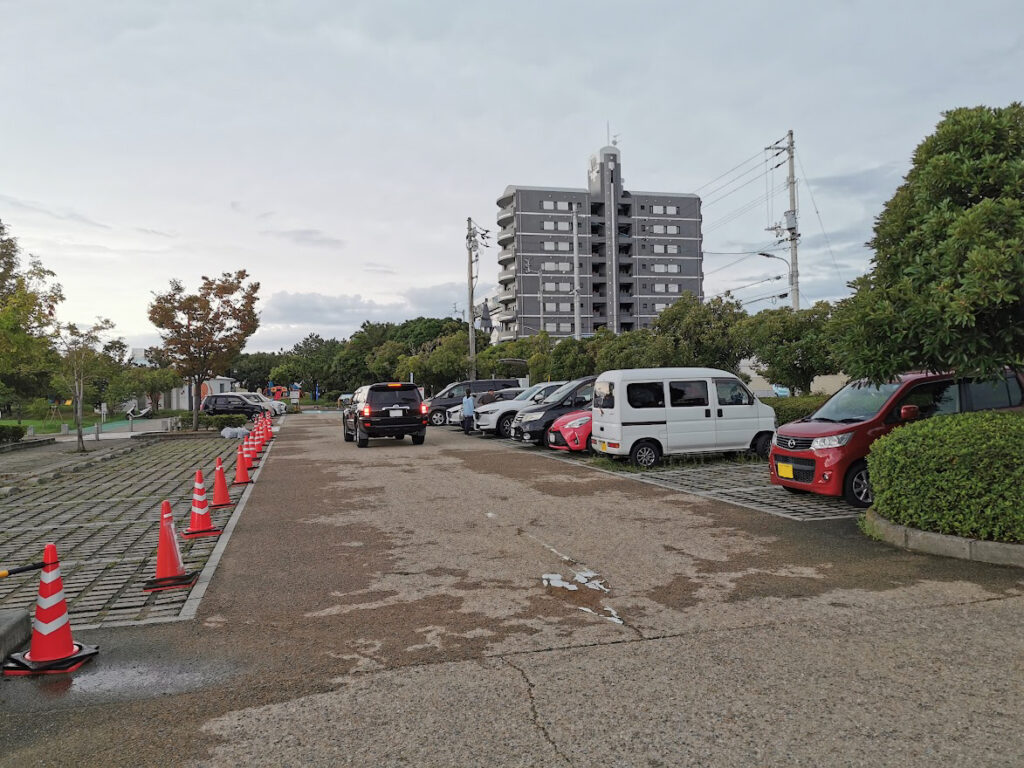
(20, 663)
(199, 534)
(184, 581)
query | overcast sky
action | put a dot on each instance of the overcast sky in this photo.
(335, 149)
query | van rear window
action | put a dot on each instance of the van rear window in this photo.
(604, 395)
(648, 394)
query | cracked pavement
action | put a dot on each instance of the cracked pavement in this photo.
(385, 606)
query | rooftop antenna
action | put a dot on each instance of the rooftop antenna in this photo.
(615, 139)
(608, 132)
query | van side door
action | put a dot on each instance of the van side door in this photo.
(690, 418)
(737, 417)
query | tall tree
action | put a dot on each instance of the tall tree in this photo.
(791, 347)
(705, 334)
(635, 349)
(315, 359)
(82, 360)
(252, 369)
(946, 286)
(203, 332)
(570, 360)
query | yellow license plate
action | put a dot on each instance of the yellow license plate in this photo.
(785, 470)
(604, 445)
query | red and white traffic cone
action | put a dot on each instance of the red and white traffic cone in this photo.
(200, 524)
(52, 650)
(170, 572)
(241, 472)
(252, 459)
(221, 497)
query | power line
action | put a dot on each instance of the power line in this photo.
(745, 208)
(828, 242)
(730, 264)
(765, 298)
(748, 285)
(708, 184)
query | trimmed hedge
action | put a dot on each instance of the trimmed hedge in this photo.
(789, 409)
(224, 420)
(961, 475)
(12, 433)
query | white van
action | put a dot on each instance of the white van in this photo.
(647, 413)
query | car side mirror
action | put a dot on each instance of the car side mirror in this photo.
(910, 413)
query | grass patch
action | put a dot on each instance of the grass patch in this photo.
(687, 461)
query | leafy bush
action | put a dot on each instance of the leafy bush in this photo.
(331, 396)
(12, 433)
(789, 409)
(961, 474)
(225, 420)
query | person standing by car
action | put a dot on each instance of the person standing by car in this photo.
(467, 411)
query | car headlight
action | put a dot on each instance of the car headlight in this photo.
(532, 416)
(577, 423)
(832, 441)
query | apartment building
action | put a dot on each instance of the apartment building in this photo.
(625, 256)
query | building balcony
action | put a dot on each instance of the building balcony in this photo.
(506, 216)
(506, 236)
(506, 198)
(507, 295)
(506, 276)
(505, 315)
(506, 256)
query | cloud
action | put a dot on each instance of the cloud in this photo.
(372, 266)
(870, 184)
(59, 214)
(157, 232)
(314, 237)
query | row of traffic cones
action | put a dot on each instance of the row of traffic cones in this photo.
(52, 650)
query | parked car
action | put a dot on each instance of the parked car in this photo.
(571, 432)
(454, 416)
(274, 407)
(453, 393)
(531, 423)
(825, 452)
(344, 400)
(388, 409)
(497, 417)
(231, 403)
(647, 413)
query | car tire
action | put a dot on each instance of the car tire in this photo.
(797, 491)
(645, 454)
(762, 445)
(505, 426)
(348, 436)
(418, 439)
(362, 440)
(399, 437)
(857, 486)
(438, 418)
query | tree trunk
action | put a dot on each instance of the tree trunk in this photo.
(194, 386)
(79, 392)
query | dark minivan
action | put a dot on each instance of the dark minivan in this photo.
(531, 423)
(438, 405)
(390, 409)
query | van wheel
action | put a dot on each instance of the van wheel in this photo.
(762, 445)
(645, 454)
(857, 486)
(505, 426)
(438, 418)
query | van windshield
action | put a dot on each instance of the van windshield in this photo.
(857, 401)
(526, 394)
(560, 394)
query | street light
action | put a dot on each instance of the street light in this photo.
(792, 288)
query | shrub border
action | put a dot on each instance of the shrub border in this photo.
(916, 540)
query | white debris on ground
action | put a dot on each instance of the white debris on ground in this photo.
(613, 616)
(234, 433)
(556, 580)
(589, 578)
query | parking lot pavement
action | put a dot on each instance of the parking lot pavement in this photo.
(104, 519)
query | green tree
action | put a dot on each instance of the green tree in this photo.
(203, 332)
(635, 349)
(791, 347)
(252, 369)
(705, 334)
(946, 287)
(383, 361)
(152, 382)
(570, 359)
(315, 359)
(82, 359)
(287, 372)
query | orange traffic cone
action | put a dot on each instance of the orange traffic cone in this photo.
(170, 573)
(252, 459)
(200, 524)
(221, 497)
(52, 650)
(241, 473)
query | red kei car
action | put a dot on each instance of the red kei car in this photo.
(570, 432)
(824, 452)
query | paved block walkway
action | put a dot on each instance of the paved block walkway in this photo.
(104, 519)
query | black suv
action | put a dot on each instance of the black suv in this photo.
(532, 422)
(393, 409)
(228, 403)
(438, 405)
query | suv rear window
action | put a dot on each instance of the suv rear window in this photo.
(386, 396)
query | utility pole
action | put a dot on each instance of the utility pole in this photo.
(475, 237)
(788, 228)
(577, 331)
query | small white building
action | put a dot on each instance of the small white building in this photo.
(177, 399)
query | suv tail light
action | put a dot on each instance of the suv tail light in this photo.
(423, 408)
(366, 410)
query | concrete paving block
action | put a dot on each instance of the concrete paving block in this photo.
(938, 544)
(998, 553)
(15, 630)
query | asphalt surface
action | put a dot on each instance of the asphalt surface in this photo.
(386, 606)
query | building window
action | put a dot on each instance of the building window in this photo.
(548, 205)
(643, 207)
(548, 225)
(549, 306)
(563, 205)
(659, 249)
(673, 288)
(550, 327)
(565, 307)
(643, 286)
(672, 229)
(658, 229)
(659, 268)
(563, 246)
(549, 286)
(643, 267)
(657, 209)
(673, 267)
(563, 226)
(672, 249)
(565, 327)
(659, 307)
(564, 267)
(671, 210)
(645, 306)
(549, 266)
(564, 286)
(659, 287)
(549, 246)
